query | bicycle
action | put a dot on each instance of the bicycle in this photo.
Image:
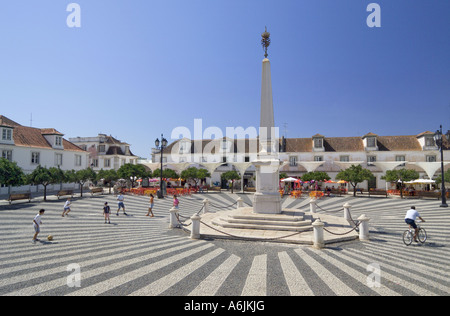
(408, 235)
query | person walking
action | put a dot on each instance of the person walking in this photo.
(106, 211)
(121, 198)
(37, 222)
(150, 209)
(176, 202)
(66, 207)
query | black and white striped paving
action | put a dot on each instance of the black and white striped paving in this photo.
(139, 255)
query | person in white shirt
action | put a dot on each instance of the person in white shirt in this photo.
(410, 219)
(37, 222)
(66, 208)
(121, 198)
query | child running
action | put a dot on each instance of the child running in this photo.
(150, 209)
(106, 211)
(66, 208)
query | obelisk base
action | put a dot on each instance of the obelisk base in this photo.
(267, 199)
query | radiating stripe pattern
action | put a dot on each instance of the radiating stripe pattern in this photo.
(140, 255)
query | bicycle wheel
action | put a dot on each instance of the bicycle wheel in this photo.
(422, 235)
(408, 237)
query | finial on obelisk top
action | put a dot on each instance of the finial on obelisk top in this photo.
(265, 42)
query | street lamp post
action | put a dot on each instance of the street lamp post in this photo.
(163, 144)
(440, 144)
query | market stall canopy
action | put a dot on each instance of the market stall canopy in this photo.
(421, 181)
(290, 179)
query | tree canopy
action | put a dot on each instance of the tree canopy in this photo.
(354, 175)
(10, 173)
(401, 176)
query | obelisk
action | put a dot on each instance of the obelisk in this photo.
(267, 199)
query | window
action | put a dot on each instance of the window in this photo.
(318, 142)
(430, 142)
(78, 160)
(344, 158)
(101, 148)
(94, 163)
(371, 142)
(318, 158)
(293, 161)
(35, 158)
(431, 158)
(58, 159)
(58, 141)
(204, 159)
(6, 134)
(7, 154)
(371, 160)
(247, 159)
(400, 158)
(107, 163)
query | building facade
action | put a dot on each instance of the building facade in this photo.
(318, 153)
(30, 147)
(105, 152)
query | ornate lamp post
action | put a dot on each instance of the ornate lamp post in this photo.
(440, 144)
(163, 144)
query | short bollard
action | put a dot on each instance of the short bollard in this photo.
(364, 228)
(205, 206)
(240, 203)
(319, 241)
(195, 232)
(347, 214)
(312, 206)
(173, 218)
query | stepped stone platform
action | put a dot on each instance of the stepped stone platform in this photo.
(244, 218)
(291, 226)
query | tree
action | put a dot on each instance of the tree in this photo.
(132, 172)
(108, 177)
(167, 173)
(44, 176)
(446, 177)
(84, 175)
(316, 176)
(354, 175)
(402, 176)
(195, 174)
(10, 173)
(230, 175)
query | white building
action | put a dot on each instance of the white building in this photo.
(318, 153)
(30, 147)
(105, 152)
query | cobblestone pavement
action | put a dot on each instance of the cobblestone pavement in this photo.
(139, 255)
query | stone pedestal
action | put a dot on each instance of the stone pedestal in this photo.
(267, 199)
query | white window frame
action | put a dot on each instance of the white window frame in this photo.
(58, 159)
(35, 158)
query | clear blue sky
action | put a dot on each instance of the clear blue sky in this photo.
(139, 68)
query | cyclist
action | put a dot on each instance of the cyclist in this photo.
(410, 219)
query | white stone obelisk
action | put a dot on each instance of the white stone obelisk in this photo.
(267, 198)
